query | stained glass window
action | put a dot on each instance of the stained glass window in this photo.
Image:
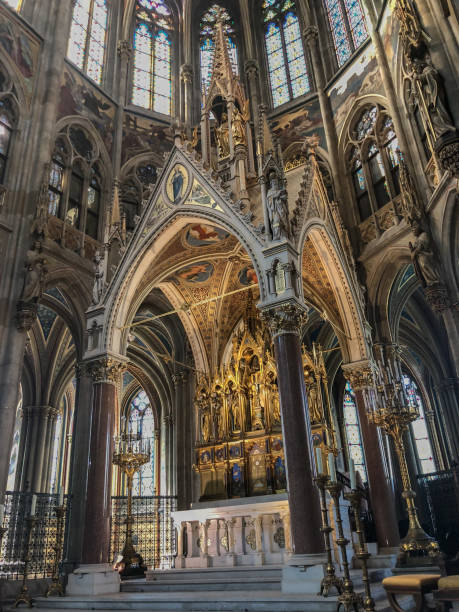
(353, 436)
(348, 27)
(373, 160)
(56, 177)
(288, 73)
(141, 422)
(55, 462)
(419, 427)
(93, 209)
(152, 85)
(6, 127)
(207, 43)
(15, 447)
(15, 4)
(88, 35)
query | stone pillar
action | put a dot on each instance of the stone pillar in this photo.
(285, 323)
(447, 392)
(179, 560)
(203, 544)
(45, 484)
(96, 576)
(186, 76)
(381, 497)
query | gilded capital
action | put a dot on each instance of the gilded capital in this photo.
(360, 374)
(105, 369)
(285, 319)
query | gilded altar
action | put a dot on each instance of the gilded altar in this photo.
(239, 450)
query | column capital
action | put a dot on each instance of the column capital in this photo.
(186, 73)
(124, 49)
(251, 68)
(311, 35)
(361, 374)
(286, 318)
(105, 369)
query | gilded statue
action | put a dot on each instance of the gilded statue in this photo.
(222, 135)
(217, 411)
(238, 128)
(277, 202)
(234, 416)
(424, 259)
(205, 425)
(315, 413)
(275, 406)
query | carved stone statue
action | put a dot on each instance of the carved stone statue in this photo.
(424, 259)
(428, 85)
(35, 276)
(238, 128)
(222, 134)
(277, 202)
(99, 283)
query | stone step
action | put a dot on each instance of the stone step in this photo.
(206, 602)
(236, 572)
(204, 584)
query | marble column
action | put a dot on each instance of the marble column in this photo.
(96, 538)
(381, 497)
(285, 323)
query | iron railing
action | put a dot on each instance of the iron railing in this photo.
(441, 502)
(153, 529)
(42, 540)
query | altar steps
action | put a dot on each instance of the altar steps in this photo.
(267, 578)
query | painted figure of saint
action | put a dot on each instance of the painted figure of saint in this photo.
(177, 184)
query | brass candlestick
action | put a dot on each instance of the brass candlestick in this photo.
(355, 498)
(330, 580)
(24, 595)
(129, 461)
(55, 588)
(393, 414)
(3, 530)
(348, 599)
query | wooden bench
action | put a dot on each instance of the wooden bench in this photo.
(416, 585)
(448, 592)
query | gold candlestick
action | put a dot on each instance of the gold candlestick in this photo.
(129, 461)
(330, 580)
(355, 498)
(348, 599)
(393, 414)
(55, 588)
(3, 530)
(24, 595)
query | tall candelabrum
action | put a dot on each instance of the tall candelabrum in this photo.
(330, 580)
(130, 454)
(348, 599)
(56, 588)
(393, 413)
(24, 596)
(355, 497)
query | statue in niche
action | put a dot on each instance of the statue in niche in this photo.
(35, 275)
(277, 202)
(424, 259)
(234, 416)
(312, 391)
(238, 128)
(217, 412)
(205, 425)
(258, 411)
(275, 405)
(99, 284)
(428, 85)
(222, 135)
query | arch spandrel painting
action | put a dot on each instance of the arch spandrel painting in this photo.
(200, 197)
(177, 184)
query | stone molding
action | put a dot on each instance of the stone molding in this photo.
(124, 49)
(311, 35)
(287, 318)
(48, 412)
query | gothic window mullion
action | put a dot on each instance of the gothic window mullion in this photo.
(286, 62)
(368, 178)
(347, 26)
(88, 38)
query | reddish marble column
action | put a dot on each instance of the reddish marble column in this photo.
(96, 539)
(360, 375)
(305, 520)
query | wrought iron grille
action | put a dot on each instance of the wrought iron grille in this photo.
(153, 529)
(441, 499)
(42, 540)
